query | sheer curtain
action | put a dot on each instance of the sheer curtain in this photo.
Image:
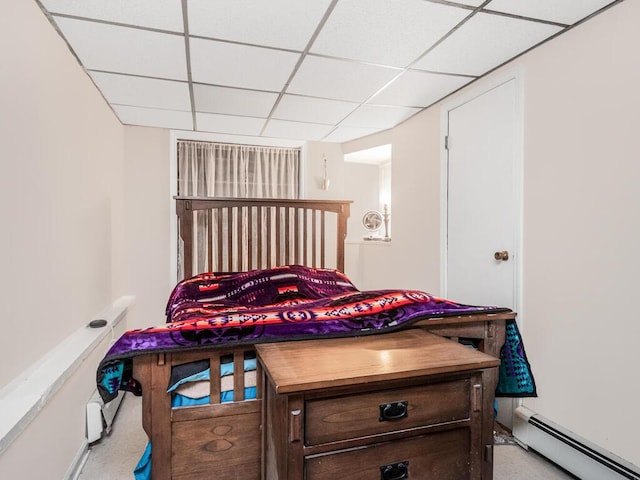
(244, 171)
(207, 169)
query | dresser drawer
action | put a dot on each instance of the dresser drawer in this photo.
(442, 456)
(365, 414)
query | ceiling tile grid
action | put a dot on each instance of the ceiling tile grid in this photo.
(153, 117)
(211, 122)
(143, 92)
(311, 109)
(415, 88)
(340, 79)
(565, 12)
(385, 32)
(296, 130)
(233, 101)
(241, 66)
(157, 14)
(378, 117)
(284, 24)
(133, 51)
(328, 70)
(484, 42)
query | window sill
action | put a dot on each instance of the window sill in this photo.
(370, 241)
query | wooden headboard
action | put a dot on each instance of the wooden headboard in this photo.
(239, 234)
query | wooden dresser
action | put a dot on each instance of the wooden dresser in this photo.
(400, 405)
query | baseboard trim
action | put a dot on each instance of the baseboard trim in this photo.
(78, 463)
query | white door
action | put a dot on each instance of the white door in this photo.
(483, 206)
(482, 199)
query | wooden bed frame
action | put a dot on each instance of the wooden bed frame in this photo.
(223, 440)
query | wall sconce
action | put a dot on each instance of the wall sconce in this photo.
(325, 180)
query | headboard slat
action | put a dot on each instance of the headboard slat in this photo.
(259, 240)
(279, 242)
(296, 238)
(287, 231)
(323, 227)
(269, 234)
(250, 220)
(305, 231)
(210, 239)
(219, 239)
(239, 223)
(314, 237)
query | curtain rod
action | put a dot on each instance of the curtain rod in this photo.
(237, 144)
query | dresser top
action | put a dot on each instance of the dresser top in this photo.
(306, 365)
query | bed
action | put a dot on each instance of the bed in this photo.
(280, 265)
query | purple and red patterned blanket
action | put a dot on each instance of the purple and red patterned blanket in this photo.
(283, 303)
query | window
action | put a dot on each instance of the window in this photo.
(368, 181)
(207, 169)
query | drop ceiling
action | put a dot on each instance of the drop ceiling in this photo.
(319, 70)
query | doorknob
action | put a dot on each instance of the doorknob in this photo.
(503, 255)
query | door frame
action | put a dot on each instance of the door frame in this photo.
(482, 87)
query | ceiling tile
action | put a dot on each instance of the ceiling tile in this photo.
(210, 122)
(152, 117)
(386, 32)
(276, 23)
(553, 10)
(344, 134)
(233, 101)
(297, 130)
(249, 78)
(161, 14)
(471, 3)
(127, 50)
(339, 79)
(244, 67)
(483, 43)
(143, 92)
(419, 89)
(376, 116)
(314, 110)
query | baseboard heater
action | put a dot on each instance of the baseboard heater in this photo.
(100, 416)
(573, 453)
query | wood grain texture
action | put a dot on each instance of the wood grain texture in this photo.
(216, 448)
(294, 366)
(358, 415)
(442, 456)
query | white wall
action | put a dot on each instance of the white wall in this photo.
(362, 187)
(412, 259)
(148, 222)
(61, 193)
(61, 202)
(581, 226)
(314, 154)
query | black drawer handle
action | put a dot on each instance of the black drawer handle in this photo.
(393, 411)
(394, 471)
